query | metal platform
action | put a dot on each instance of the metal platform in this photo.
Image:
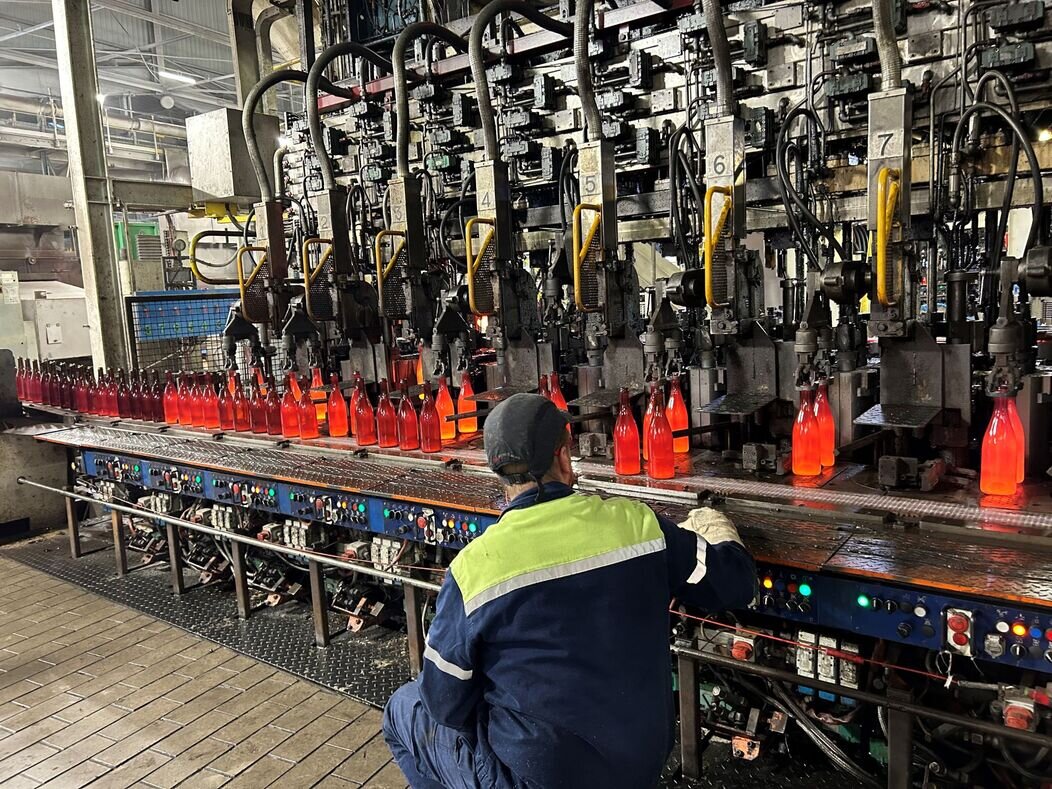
(741, 404)
(908, 417)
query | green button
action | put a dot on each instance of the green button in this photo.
(361, 508)
(473, 527)
(270, 491)
(863, 601)
(136, 466)
(387, 512)
(292, 496)
(805, 590)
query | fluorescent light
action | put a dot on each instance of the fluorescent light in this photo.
(284, 141)
(176, 77)
(100, 98)
(1045, 135)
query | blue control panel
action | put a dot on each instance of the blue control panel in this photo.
(412, 521)
(1011, 635)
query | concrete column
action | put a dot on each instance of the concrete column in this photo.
(85, 144)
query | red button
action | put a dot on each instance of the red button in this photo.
(793, 588)
(957, 623)
(960, 639)
(1048, 634)
(421, 521)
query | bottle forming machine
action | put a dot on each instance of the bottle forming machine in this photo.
(755, 204)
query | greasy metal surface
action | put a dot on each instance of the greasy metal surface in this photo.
(499, 394)
(902, 416)
(740, 404)
(602, 398)
(367, 666)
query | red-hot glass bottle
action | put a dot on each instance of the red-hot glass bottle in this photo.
(98, 398)
(444, 404)
(676, 413)
(542, 388)
(210, 416)
(135, 388)
(648, 416)
(85, 390)
(273, 409)
(807, 447)
(231, 381)
(112, 405)
(556, 392)
(364, 418)
(626, 438)
(171, 400)
(352, 426)
(1017, 427)
(124, 406)
(197, 406)
(308, 417)
(261, 382)
(20, 381)
(77, 390)
(1000, 464)
(56, 386)
(662, 462)
(157, 400)
(430, 423)
(466, 406)
(242, 416)
(34, 382)
(45, 384)
(317, 395)
(290, 410)
(257, 409)
(225, 400)
(185, 416)
(92, 395)
(293, 384)
(826, 427)
(338, 424)
(386, 418)
(67, 389)
(408, 425)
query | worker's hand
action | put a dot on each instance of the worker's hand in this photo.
(712, 526)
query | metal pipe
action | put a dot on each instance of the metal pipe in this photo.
(477, 56)
(887, 45)
(247, 114)
(279, 170)
(401, 87)
(780, 675)
(593, 121)
(234, 537)
(721, 56)
(314, 78)
(28, 106)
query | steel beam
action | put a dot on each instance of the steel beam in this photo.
(242, 40)
(136, 195)
(162, 20)
(86, 151)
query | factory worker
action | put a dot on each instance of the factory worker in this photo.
(547, 663)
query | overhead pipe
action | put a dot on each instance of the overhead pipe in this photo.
(401, 88)
(887, 45)
(477, 56)
(593, 121)
(314, 78)
(721, 56)
(36, 107)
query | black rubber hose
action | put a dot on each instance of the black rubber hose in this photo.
(593, 121)
(477, 55)
(443, 238)
(401, 87)
(314, 78)
(721, 57)
(266, 191)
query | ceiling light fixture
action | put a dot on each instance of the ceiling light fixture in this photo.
(176, 77)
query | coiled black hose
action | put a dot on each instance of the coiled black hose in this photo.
(266, 191)
(593, 121)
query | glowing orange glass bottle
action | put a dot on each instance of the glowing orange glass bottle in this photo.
(364, 418)
(290, 410)
(556, 393)
(676, 413)
(408, 425)
(826, 427)
(466, 406)
(1017, 427)
(185, 417)
(257, 409)
(355, 394)
(317, 395)
(807, 449)
(648, 417)
(242, 416)
(273, 409)
(542, 388)
(337, 411)
(430, 423)
(210, 404)
(197, 408)
(226, 408)
(1000, 463)
(444, 404)
(308, 416)
(626, 438)
(386, 418)
(662, 462)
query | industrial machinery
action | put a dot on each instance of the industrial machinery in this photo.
(766, 202)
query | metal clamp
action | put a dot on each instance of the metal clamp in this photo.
(712, 236)
(244, 282)
(192, 254)
(309, 274)
(887, 205)
(580, 251)
(475, 261)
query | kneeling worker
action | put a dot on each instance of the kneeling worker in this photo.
(547, 663)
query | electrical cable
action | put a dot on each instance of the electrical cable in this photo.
(248, 116)
(593, 120)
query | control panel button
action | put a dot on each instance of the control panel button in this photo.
(957, 623)
(904, 629)
(1018, 650)
(1002, 626)
(920, 611)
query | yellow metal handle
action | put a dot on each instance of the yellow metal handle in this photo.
(383, 269)
(712, 235)
(580, 250)
(309, 274)
(192, 259)
(887, 204)
(474, 262)
(244, 282)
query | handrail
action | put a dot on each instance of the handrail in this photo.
(712, 235)
(887, 203)
(309, 274)
(244, 283)
(475, 261)
(192, 254)
(580, 251)
(320, 558)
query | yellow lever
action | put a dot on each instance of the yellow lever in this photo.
(580, 250)
(712, 235)
(887, 204)
(474, 261)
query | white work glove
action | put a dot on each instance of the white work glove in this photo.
(712, 526)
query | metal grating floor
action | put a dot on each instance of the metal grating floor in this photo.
(367, 667)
